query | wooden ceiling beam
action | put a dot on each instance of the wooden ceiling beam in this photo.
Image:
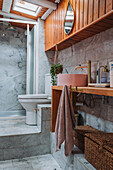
(10, 15)
(44, 3)
(46, 14)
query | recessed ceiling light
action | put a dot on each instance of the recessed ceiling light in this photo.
(27, 8)
(3, 35)
(11, 28)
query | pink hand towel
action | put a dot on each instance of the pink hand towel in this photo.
(65, 122)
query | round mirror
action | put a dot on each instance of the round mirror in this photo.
(69, 19)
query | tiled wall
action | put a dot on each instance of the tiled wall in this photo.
(12, 68)
(98, 47)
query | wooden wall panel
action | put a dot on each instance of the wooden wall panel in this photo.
(74, 8)
(81, 13)
(86, 4)
(96, 9)
(102, 8)
(90, 9)
(77, 14)
(86, 11)
(65, 9)
(109, 5)
(1, 2)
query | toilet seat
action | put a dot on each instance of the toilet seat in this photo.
(35, 100)
(33, 96)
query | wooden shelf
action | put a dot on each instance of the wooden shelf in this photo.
(101, 24)
(56, 93)
(89, 90)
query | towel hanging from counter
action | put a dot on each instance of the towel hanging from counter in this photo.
(65, 122)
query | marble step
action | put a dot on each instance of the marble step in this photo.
(41, 162)
(75, 161)
(16, 126)
(18, 140)
(20, 146)
(80, 163)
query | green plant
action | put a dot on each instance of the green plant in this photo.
(55, 69)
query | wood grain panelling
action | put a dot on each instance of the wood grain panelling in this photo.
(102, 7)
(74, 8)
(1, 2)
(77, 14)
(65, 9)
(81, 13)
(91, 9)
(109, 5)
(86, 13)
(96, 9)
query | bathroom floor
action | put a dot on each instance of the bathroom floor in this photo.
(43, 162)
(16, 126)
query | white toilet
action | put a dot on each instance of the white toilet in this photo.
(30, 102)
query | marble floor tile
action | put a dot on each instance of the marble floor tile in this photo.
(43, 162)
(5, 164)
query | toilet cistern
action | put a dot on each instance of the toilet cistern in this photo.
(30, 101)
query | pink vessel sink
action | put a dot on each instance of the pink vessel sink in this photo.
(72, 79)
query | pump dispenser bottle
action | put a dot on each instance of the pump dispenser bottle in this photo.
(98, 72)
(104, 75)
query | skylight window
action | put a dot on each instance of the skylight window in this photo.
(27, 8)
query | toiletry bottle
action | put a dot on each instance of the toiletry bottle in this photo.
(104, 74)
(98, 72)
(111, 74)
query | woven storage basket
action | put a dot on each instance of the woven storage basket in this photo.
(79, 134)
(99, 150)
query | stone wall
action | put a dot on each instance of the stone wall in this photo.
(98, 47)
(12, 68)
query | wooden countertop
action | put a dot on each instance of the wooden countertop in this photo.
(89, 90)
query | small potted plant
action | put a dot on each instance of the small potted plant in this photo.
(55, 69)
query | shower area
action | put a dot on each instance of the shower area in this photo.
(17, 67)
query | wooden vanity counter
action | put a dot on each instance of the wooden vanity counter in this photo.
(56, 93)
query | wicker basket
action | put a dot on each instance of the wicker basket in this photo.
(79, 134)
(99, 150)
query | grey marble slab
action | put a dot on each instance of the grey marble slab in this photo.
(13, 55)
(16, 126)
(43, 162)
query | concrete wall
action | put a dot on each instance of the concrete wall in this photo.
(12, 68)
(98, 47)
(44, 60)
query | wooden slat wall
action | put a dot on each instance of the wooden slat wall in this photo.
(86, 11)
(96, 7)
(102, 10)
